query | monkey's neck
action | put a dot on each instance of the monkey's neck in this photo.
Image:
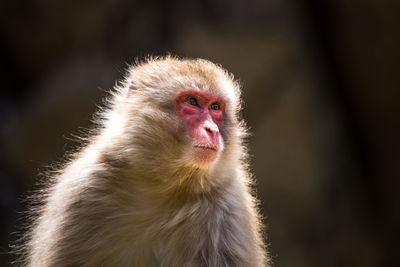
(185, 183)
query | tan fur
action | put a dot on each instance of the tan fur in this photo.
(131, 196)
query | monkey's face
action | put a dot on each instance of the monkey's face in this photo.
(203, 116)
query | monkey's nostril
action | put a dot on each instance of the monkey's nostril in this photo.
(210, 132)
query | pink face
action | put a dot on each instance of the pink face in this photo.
(203, 114)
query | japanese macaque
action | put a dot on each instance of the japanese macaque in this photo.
(163, 182)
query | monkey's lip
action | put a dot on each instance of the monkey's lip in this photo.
(206, 147)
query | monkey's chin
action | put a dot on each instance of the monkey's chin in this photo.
(205, 154)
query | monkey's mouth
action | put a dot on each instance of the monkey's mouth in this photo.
(206, 147)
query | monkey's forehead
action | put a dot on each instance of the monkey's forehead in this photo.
(171, 74)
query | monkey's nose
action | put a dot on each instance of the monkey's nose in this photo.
(211, 129)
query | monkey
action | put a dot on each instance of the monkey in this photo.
(164, 181)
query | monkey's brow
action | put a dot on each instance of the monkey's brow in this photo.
(199, 94)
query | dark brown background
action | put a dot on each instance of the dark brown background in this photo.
(321, 86)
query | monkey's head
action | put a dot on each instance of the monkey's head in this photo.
(182, 112)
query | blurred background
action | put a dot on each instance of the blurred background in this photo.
(321, 87)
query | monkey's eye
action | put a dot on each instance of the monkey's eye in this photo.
(192, 101)
(215, 106)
